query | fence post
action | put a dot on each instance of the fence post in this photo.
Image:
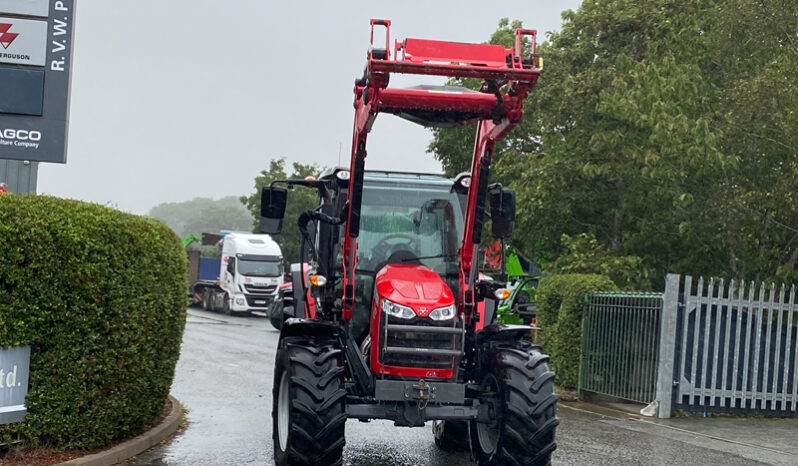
(667, 345)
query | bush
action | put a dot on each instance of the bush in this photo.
(100, 296)
(560, 302)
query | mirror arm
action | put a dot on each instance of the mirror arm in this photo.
(315, 214)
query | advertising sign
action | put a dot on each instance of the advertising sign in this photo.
(26, 7)
(14, 371)
(34, 114)
(23, 41)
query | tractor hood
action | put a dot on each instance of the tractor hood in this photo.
(415, 286)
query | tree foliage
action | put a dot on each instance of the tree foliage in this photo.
(203, 215)
(299, 200)
(667, 130)
(583, 254)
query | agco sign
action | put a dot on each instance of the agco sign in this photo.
(20, 138)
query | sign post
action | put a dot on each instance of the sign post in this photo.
(14, 371)
(36, 38)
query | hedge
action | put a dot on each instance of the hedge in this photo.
(560, 301)
(100, 295)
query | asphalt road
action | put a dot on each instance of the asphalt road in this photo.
(224, 379)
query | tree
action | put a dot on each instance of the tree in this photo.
(583, 254)
(203, 214)
(300, 200)
(665, 129)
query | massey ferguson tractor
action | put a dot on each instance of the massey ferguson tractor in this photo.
(392, 319)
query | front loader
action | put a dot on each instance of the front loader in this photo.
(392, 319)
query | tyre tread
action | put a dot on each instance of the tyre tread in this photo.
(318, 414)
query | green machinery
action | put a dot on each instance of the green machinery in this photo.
(519, 307)
(191, 239)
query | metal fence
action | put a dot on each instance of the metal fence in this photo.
(728, 346)
(703, 345)
(620, 341)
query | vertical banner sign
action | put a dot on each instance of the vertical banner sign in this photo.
(36, 38)
(14, 371)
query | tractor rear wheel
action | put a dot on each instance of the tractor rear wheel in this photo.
(519, 389)
(451, 435)
(309, 412)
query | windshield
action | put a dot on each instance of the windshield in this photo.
(255, 268)
(412, 223)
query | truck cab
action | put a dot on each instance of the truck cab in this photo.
(251, 272)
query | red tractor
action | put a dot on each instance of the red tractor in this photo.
(403, 326)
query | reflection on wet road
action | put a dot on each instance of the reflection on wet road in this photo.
(224, 379)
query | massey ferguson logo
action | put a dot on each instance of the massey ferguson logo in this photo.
(6, 38)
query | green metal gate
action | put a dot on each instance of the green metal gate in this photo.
(620, 342)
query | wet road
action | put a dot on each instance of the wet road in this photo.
(224, 379)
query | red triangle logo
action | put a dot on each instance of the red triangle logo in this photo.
(6, 38)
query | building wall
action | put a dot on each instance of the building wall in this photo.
(21, 176)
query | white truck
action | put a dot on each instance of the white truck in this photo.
(250, 273)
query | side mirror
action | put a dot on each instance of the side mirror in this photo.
(272, 209)
(502, 212)
(231, 265)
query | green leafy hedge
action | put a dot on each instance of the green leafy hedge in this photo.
(560, 302)
(100, 295)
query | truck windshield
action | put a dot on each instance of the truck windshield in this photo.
(256, 268)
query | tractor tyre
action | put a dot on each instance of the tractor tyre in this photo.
(451, 435)
(309, 412)
(520, 387)
(226, 305)
(276, 314)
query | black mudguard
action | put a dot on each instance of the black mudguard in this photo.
(309, 327)
(503, 332)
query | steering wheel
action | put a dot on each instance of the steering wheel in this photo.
(384, 248)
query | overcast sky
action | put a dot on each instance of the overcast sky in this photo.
(177, 99)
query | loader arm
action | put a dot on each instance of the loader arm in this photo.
(508, 78)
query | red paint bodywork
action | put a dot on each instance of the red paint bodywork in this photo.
(418, 288)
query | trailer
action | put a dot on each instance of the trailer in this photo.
(244, 279)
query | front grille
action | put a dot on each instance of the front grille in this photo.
(269, 289)
(403, 342)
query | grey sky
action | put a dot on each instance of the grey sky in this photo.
(177, 99)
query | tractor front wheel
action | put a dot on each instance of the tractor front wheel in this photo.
(518, 388)
(309, 412)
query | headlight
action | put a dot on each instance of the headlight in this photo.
(240, 301)
(443, 313)
(397, 310)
